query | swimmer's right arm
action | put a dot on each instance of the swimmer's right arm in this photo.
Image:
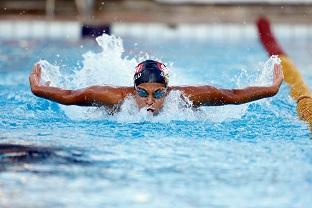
(209, 95)
(91, 96)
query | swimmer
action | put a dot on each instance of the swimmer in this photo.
(151, 86)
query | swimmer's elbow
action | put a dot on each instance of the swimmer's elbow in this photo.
(64, 97)
(83, 97)
(232, 97)
(73, 98)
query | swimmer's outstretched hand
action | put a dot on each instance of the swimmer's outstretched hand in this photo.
(35, 77)
(277, 76)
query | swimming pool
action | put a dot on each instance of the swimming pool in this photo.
(253, 155)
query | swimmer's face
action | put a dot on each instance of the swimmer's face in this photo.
(150, 96)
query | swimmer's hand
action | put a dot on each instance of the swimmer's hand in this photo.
(35, 77)
(277, 77)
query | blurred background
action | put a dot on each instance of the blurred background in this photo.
(85, 17)
(169, 11)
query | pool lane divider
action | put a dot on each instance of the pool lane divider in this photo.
(299, 91)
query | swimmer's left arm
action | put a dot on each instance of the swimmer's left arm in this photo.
(108, 96)
(208, 95)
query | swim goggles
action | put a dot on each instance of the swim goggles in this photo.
(156, 94)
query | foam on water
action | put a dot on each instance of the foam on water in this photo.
(111, 66)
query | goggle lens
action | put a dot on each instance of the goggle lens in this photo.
(142, 93)
(156, 94)
(159, 93)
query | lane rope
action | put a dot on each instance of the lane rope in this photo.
(299, 91)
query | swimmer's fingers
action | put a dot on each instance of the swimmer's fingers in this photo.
(37, 70)
(278, 75)
(35, 76)
(277, 68)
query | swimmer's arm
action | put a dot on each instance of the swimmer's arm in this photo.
(92, 96)
(208, 95)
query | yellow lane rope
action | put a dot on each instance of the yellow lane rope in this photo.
(299, 91)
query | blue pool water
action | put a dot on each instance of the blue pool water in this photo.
(253, 155)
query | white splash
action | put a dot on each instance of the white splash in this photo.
(112, 67)
(266, 71)
(51, 73)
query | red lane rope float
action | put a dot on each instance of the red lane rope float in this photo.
(267, 38)
(299, 91)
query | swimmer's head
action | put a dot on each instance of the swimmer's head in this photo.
(151, 84)
(150, 71)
